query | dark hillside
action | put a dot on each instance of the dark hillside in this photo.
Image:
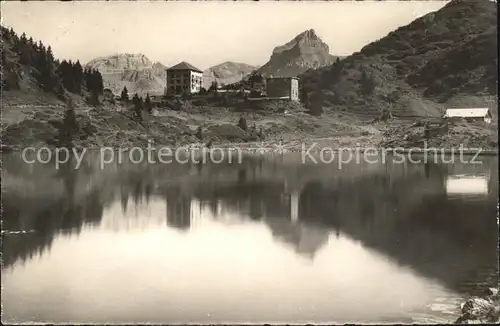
(30, 66)
(415, 69)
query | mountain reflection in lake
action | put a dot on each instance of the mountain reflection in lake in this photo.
(267, 241)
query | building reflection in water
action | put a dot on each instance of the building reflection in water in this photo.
(294, 207)
(178, 209)
(273, 203)
(133, 216)
(466, 184)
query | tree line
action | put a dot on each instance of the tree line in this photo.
(52, 75)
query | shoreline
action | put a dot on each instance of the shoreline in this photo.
(270, 148)
(481, 309)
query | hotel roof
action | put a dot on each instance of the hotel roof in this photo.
(184, 66)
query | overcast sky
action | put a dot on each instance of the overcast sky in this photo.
(204, 33)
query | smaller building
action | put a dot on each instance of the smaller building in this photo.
(283, 88)
(469, 114)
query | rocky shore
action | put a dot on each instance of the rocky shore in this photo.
(481, 310)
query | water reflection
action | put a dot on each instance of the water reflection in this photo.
(283, 242)
(178, 209)
(463, 184)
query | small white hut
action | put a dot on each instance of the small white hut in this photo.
(469, 114)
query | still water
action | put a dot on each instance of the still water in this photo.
(266, 241)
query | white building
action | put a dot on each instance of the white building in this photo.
(470, 114)
(184, 78)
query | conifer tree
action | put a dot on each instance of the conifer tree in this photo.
(147, 104)
(242, 123)
(49, 72)
(99, 81)
(65, 73)
(77, 77)
(24, 50)
(68, 128)
(45, 66)
(92, 81)
(124, 94)
(39, 62)
(213, 87)
(94, 97)
(336, 71)
(138, 105)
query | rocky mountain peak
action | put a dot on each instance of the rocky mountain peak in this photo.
(306, 42)
(121, 61)
(308, 34)
(304, 51)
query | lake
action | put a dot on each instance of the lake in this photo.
(270, 240)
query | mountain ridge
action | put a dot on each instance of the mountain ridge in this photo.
(132, 70)
(228, 72)
(141, 75)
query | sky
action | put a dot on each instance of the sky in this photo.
(204, 33)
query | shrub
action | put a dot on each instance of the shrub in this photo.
(199, 133)
(124, 94)
(316, 110)
(242, 123)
